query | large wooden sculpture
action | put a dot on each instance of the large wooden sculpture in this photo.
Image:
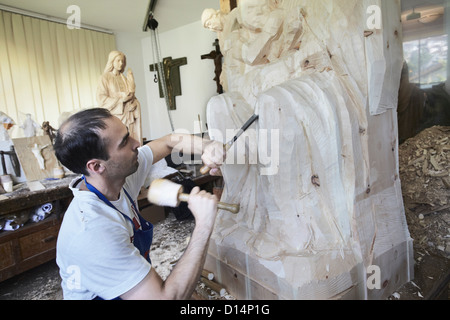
(321, 207)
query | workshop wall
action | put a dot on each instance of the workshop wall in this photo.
(197, 84)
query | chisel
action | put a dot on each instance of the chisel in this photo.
(227, 146)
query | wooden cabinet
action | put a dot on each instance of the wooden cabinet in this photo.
(28, 247)
(34, 243)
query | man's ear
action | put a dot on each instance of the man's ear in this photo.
(95, 166)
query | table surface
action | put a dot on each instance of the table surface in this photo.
(22, 198)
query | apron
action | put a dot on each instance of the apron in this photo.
(143, 230)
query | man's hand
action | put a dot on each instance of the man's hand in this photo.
(204, 208)
(182, 280)
(213, 156)
(216, 172)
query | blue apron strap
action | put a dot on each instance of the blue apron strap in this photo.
(105, 200)
(142, 239)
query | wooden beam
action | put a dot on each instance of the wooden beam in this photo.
(227, 5)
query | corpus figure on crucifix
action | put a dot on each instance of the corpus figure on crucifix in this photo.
(217, 57)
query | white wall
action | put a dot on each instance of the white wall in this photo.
(197, 84)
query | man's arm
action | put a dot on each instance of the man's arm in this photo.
(212, 152)
(182, 280)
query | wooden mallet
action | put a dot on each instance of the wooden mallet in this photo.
(166, 193)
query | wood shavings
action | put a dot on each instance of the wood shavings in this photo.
(424, 162)
(425, 166)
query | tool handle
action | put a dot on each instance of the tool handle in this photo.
(205, 169)
(233, 208)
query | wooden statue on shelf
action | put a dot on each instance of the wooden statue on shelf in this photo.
(116, 93)
(49, 130)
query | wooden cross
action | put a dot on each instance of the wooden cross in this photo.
(173, 81)
(217, 57)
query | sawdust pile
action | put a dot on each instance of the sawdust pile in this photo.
(170, 239)
(425, 176)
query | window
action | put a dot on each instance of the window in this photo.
(424, 95)
(427, 60)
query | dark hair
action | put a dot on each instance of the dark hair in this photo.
(78, 139)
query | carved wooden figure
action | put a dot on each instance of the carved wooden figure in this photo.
(321, 213)
(216, 56)
(116, 93)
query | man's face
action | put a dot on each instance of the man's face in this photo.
(122, 150)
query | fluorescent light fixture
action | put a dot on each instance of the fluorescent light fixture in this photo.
(413, 16)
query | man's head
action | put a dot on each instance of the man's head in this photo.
(78, 140)
(96, 142)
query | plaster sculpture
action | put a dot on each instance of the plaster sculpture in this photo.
(36, 156)
(37, 152)
(325, 205)
(116, 93)
(29, 127)
(6, 122)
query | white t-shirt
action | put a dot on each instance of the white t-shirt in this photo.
(94, 250)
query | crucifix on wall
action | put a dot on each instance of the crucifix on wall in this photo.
(172, 75)
(217, 57)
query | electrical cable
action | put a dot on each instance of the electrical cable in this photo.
(159, 63)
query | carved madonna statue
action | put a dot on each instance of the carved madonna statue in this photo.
(116, 93)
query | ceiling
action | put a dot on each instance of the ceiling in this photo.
(129, 15)
(120, 15)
